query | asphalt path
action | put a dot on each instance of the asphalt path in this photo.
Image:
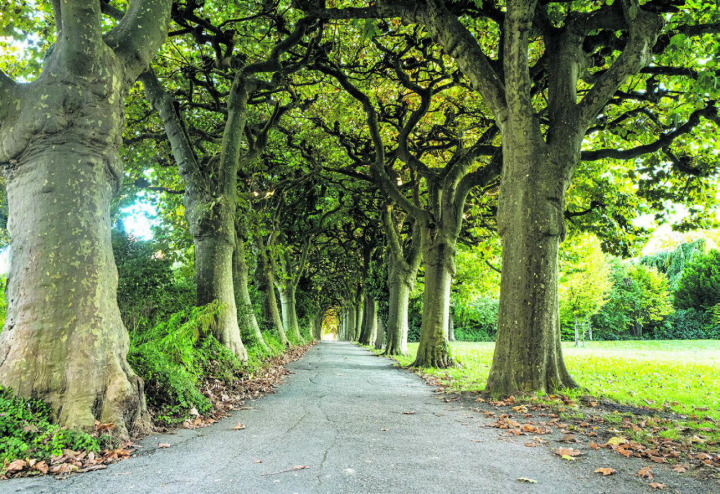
(359, 425)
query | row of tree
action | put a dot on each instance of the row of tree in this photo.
(336, 148)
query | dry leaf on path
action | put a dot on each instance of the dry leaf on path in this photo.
(605, 471)
(527, 481)
(239, 427)
(163, 445)
(657, 485)
(567, 452)
(594, 445)
(645, 472)
(408, 413)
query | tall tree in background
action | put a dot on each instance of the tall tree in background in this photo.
(60, 135)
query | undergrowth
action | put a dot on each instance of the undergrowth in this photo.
(26, 431)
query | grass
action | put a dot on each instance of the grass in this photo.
(682, 376)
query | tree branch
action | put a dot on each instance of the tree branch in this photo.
(643, 28)
(709, 112)
(140, 33)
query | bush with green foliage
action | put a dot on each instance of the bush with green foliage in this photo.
(638, 302)
(699, 285)
(687, 324)
(148, 289)
(26, 431)
(476, 320)
(174, 355)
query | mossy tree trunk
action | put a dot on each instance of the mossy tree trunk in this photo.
(369, 326)
(242, 293)
(380, 335)
(63, 340)
(266, 285)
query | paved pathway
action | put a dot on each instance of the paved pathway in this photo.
(341, 413)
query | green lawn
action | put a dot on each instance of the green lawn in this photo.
(682, 375)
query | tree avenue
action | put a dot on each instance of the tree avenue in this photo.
(60, 135)
(316, 165)
(546, 71)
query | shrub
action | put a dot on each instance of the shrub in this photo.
(173, 356)
(477, 317)
(26, 431)
(463, 334)
(699, 285)
(684, 324)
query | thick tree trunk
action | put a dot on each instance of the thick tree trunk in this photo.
(439, 256)
(242, 294)
(397, 325)
(380, 337)
(64, 341)
(317, 326)
(214, 279)
(266, 282)
(359, 316)
(289, 313)
(369, 327)
(528, 356)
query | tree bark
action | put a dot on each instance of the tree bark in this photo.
(267, 283)
(577, 333)
(451, 327)
(528, 354)
(369, 327)
(289, 312)
(396, 334)
(380, 337)
(439, 257)
(242, 294)
(214, 279)
(351, 321)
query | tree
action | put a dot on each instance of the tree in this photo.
(699, 284)
(211, 182)
(63, 339)
(638, 298)
(585, 282)
(548, 72)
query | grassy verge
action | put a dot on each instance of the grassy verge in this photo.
(660, 376)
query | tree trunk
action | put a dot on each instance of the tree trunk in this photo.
(64, 341)
(439, 256)
(214, 279)
(451, 327)
(351, 322)
(369, 327)
(317, 326)
(590, 332)
(397, 325)
(289, 314)
(359, 316)
(264, 275)
(380, 337)
(242, 294)
(528, 356)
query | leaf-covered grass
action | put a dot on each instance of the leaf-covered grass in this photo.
(680, 376)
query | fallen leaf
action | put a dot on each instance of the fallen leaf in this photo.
(408, 413)
(16, 466)
(258, 461)
(301, 467)
(594, 445)
(567, 452)
(605, 471)
(384, 429)
(616, 441)
(657, 485)
(527, 481)
(680, 468)
(645, 472)
(657, 459)
(568, 438)
(239, 426)
(41, 467)
(164, 445)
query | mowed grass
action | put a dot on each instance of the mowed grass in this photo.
(682, 376)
